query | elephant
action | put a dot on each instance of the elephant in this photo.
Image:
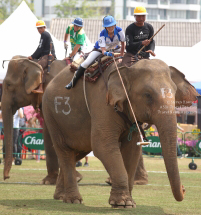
(22, 76)
(80, 124)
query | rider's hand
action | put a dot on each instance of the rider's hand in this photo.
(146, 42)
(65, 45)
(151, 52)
(30, 58)
(110, 54)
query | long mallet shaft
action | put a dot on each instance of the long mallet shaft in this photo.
(151, 38)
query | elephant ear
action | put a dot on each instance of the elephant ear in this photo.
(186, 93)
(116, 94)
(32, 74)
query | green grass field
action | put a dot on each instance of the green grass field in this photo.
(156, 198)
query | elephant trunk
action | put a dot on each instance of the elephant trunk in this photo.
(8, 136)
(167, 128)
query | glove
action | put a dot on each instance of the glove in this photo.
(65, 45)
(109, 54)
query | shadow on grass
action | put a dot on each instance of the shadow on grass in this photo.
(42, 205)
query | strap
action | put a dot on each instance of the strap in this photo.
(132, 125)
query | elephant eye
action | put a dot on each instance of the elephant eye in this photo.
(148, 97)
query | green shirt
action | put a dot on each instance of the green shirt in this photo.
(78, 37)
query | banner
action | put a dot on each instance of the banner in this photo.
(34, 141)
(154, 146)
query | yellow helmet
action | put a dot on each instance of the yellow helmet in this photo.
(140, 11)
(40, 23)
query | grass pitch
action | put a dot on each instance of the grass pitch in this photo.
(22, 193)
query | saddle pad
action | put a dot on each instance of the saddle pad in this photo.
(92, 72)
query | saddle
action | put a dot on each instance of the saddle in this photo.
(93, 72)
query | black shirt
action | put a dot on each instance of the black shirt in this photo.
(134, 37)
(44, 46)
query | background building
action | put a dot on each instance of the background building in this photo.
(159, 10)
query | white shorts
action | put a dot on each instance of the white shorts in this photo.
(92, 56)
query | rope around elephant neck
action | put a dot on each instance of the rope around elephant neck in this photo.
(85, 97)
(128, 100)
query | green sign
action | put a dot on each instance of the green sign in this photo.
(198, 144)
(34, 141)
(154, 146)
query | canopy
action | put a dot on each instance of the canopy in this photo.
(197, 87)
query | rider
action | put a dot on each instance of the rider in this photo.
(43, 50)
(109, 39)
(138, 35)
(77, 39)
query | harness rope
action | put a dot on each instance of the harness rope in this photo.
(142, 143)
(85, 97)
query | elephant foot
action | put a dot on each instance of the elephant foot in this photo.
(121, 200)
(59, 194)
(75, 199)
(141, 182)
(49, 179)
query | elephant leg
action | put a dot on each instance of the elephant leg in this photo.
(131, 153)
(51, 159)
(108, 151)
(60, 191)
(141, 176)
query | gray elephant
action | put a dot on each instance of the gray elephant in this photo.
(154, 90)
(22, 76)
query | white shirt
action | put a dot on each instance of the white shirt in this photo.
(16, 119)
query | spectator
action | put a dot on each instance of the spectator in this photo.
(79, 163)
(16, 121)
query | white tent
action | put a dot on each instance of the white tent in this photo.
(19, 36)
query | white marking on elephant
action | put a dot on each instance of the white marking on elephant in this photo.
(57, 103)
(166, 93)
(66, 103)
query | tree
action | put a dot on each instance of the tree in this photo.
(8, 6)
(73, 8)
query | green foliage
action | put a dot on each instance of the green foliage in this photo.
(74, 8)
(8, 6)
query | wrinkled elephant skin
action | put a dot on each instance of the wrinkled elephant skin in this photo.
(73, 129)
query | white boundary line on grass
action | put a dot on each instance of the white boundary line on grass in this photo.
(102, 170)
(94, 184)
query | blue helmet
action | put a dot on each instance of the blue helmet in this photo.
(109, 21)
(78, 21)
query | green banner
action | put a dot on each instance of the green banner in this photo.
(198, 144)
(34, 141)
(154, 146)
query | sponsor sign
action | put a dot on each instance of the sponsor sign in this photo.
(34, 141)
(154, 146)
(198, 144)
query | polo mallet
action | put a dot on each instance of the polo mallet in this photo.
(150, 40)
(66, 51)
(138, 143)
(12, 60)
(49, 58)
